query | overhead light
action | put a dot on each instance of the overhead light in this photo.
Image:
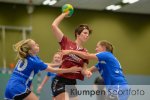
(52, 2)
(49, 2)
(110, 7)
(113, 7)
(117, 7)
(129, 1)
(45, 2)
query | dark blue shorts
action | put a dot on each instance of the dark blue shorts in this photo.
(16, 90)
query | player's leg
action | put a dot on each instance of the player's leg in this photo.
(58, 88)
(62, 96)
(27, 95)
(73, 98)
(31, 96)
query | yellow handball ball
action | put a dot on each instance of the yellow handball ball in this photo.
(68, 7)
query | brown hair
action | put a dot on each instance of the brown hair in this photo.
(107, 45)
(80, 28)
(22, 48)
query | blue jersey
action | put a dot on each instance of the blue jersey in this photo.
(110, 69)
(51, 75)
(22, 75)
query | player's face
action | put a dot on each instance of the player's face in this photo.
(57, 58)
(34, 47)
(84, 36)
(99, 48)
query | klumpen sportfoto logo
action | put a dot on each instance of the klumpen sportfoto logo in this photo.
(120, 91)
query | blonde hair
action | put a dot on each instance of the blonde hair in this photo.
(22, 48)
(107, 45)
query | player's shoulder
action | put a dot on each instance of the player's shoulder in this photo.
(66, 40)
(105, 53)
(34, 59)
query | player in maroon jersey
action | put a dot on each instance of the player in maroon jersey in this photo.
(82, 33)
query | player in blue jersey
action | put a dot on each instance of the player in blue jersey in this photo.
(29, 64)
(109, 68)
(56, 62)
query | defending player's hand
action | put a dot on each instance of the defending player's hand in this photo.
(87, 73)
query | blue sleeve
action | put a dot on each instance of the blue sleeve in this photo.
(42, 66)
(101, 56)
(98, 66)
(48, 74)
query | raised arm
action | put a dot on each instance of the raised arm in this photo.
(56, 30)
(84, 55)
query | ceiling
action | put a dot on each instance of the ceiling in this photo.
(141, 7)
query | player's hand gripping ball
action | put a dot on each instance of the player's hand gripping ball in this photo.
(66, 8)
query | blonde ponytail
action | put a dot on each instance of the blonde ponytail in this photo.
(22, 48)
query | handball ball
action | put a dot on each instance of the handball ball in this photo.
(68, 7)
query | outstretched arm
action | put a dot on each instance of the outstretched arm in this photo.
(85, 71)
(60, 70)
(53, 64)
(93, 69)
(56, 30)
(84, 55)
